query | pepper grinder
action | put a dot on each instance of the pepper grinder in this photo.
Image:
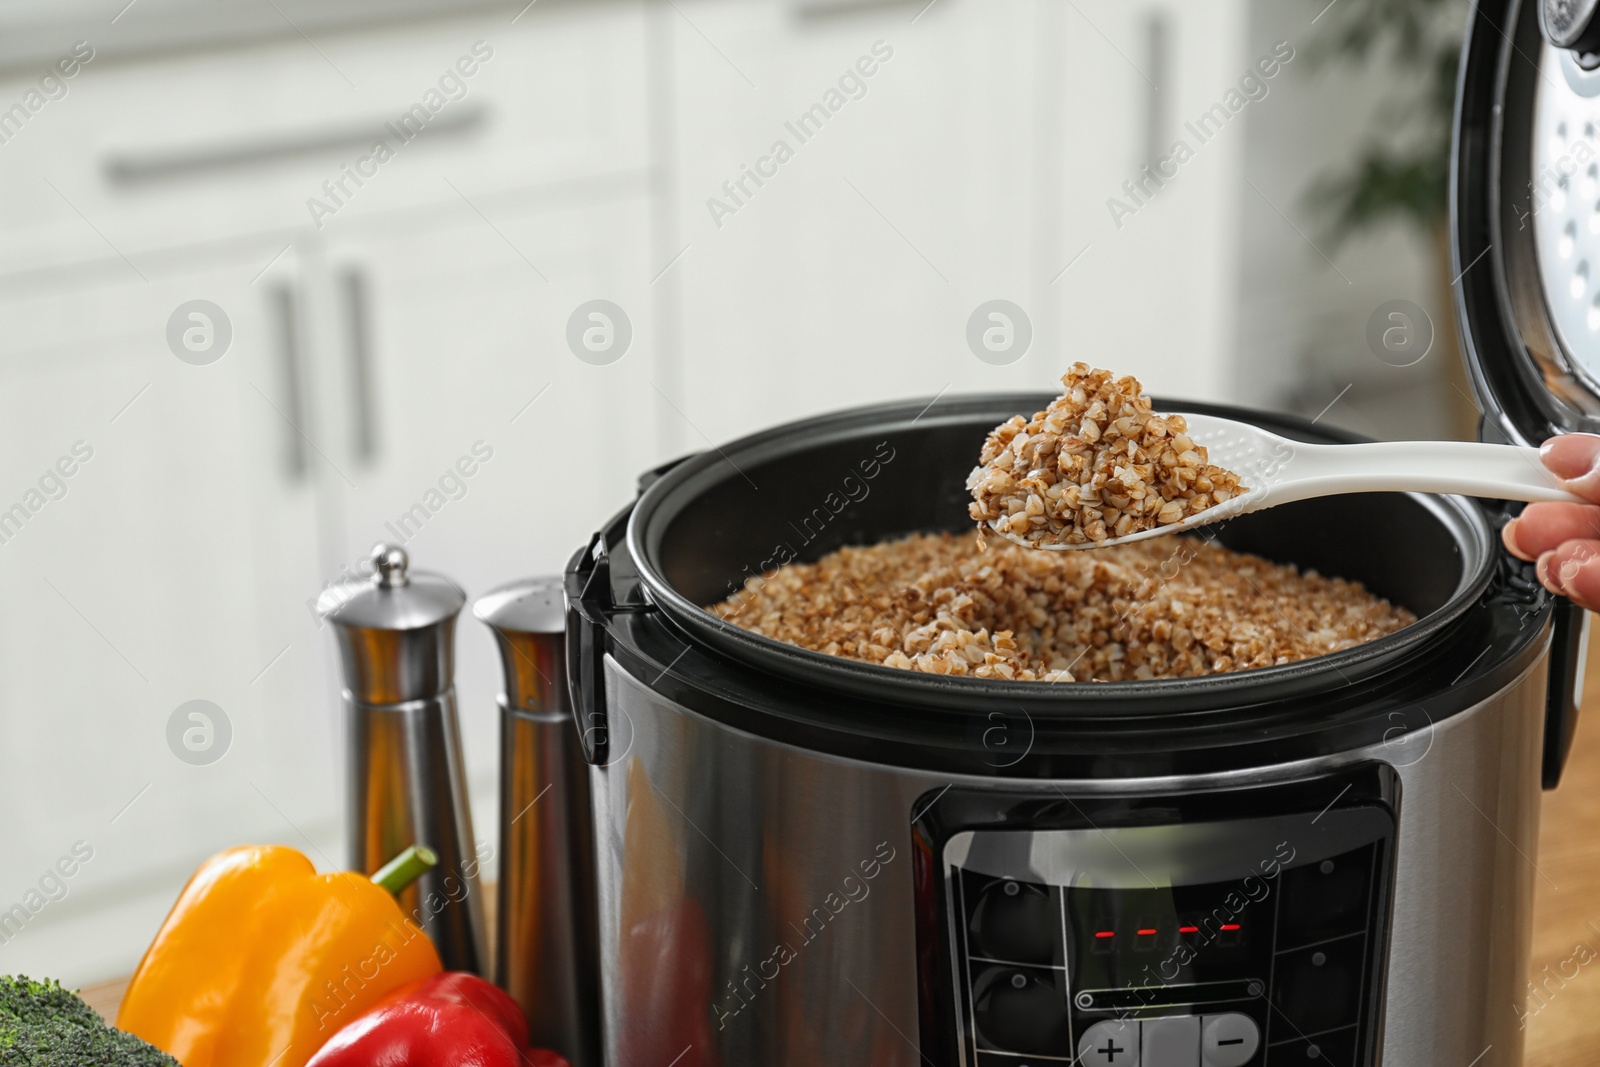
(547, 942)
(406, 777)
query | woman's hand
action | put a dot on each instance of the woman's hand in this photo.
(1565, 538)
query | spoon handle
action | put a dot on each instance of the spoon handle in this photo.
(1503, 472)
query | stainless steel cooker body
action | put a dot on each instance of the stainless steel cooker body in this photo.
(806, 860)
(760, 902)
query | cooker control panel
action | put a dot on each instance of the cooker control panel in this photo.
(1246, 942)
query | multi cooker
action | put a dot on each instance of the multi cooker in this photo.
(806, 860)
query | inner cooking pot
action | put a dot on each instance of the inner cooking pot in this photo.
(862, 476)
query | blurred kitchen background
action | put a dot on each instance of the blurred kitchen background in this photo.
(178, 479)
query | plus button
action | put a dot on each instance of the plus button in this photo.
(1110, 1043)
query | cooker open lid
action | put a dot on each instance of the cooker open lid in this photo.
(1525, 215)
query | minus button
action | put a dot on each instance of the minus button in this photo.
(1228, 1040)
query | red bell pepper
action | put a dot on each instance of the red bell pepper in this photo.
(453, 1019)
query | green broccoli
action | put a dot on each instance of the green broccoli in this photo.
(24, 1002)
(44, 1025)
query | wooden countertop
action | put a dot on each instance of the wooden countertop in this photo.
(1565, 1031)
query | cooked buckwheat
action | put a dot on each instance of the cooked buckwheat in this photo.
(1164, 608)
(1097, 463)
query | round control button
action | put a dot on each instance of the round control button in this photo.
(1228, 1040)
(1019, 1010)
(1016, 922)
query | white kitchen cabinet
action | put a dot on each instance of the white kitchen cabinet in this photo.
(974, 166)
(1155, 294)
(184, 558)
(213, 144)
(475, 437)
(465, 342)
(848, 275)
(154, 579)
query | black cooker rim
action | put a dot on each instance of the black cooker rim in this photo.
(651, 515)
(633, 646)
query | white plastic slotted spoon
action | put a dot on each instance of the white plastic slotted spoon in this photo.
(1277, 471)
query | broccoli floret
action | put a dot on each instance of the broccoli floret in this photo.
(63, 1045)
(26, 1002)
(44, 1025)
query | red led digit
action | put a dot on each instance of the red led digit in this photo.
(1230, 926)
(1106, 933)
(1188, 929)
(1147, 933)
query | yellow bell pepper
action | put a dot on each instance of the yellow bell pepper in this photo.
(262, 960)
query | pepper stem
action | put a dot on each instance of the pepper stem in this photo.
(406, 868)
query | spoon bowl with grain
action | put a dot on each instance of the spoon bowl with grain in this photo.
(1275, 470)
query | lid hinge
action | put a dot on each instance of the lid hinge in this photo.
(591, 603)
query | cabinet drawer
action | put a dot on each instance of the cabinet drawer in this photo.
(306, 134)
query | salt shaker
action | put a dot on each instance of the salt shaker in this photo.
(406, 779)
(547, 942)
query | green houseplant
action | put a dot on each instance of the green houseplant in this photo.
(1401, 175)
(1403, 172)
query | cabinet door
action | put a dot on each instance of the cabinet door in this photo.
(1154, 291)
(149, 521)
(472, 434)
(974, 164)
(904, 199)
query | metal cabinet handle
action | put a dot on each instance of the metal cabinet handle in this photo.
(358, 326)
(289, 350)
(132, 167)
(1158, 45)
(823, 10)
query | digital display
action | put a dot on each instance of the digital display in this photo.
(1177, 935)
